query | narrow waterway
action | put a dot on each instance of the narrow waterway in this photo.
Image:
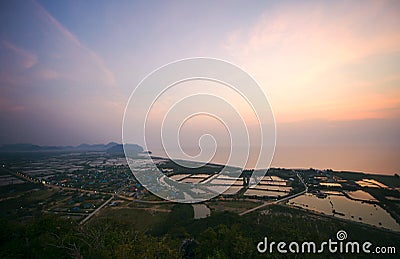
(342, 207)
(201, 211)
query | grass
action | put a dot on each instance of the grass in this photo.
(236, 206)
(25, 205)
(138, 219)
(3, 171)
(11, 190)
(151, 197)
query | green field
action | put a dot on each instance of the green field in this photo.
(236, 206)
(138, 219)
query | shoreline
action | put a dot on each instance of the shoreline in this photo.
(288, 168)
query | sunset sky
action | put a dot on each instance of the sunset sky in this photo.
(331, 69)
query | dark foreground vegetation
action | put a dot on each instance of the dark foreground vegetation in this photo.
(223, 235)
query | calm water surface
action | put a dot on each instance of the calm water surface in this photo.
(348, 209)
(200, 211)
(378, 160)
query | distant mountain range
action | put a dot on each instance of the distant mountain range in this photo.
(130, 149)
(111, 148)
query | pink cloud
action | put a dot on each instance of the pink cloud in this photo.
(48, 74)
(49, 19)
(299, 53)
(25, 58)
(7, 106)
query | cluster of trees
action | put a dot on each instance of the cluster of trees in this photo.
(223, 235)
(51, 237)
